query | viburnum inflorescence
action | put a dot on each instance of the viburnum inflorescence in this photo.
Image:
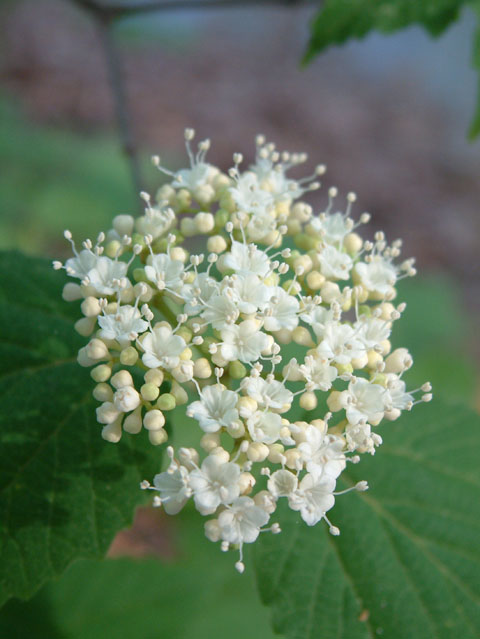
(274, 341)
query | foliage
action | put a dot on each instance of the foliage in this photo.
(126, 598)
(338, 21)
(407, 561)
(63, 492)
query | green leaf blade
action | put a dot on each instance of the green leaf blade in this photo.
(340, 20)
(408, 555)
(64, 492)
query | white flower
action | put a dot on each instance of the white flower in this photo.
(378, 276)
(249, 293)
(371, 331)
(220, 310)
(313, 498)
(80, 265)
(360, 438)
(282, 311)
(322, 453)
(318, 317)
(332, 228)
(126, 399)
(272, 178)
(124, 325)
(198, 175)
(264, 427)
(397, 393)
(245, 259)
(282, 483)
(364, 401)
(340, 343)
(269, 393)
(260, 225)
(241, 522)
(162, 348)
(215, 483)
(200, 291)
(155, 222)
(103, 274)
(164, 272)
(243, 341)
(174, 489)
(216, 408)
(334, 264)
(249, 197)
(319, 372)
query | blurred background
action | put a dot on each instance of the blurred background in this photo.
(388, 115)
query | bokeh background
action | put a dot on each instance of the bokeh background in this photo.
(388, 115)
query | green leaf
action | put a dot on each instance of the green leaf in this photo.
(407, 561)
(64, 492)
(436, 331)
(340, 20)
(196, 595)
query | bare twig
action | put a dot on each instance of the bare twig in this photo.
(120, 100)
(106, 13)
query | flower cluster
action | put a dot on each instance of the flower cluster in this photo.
(275, 340)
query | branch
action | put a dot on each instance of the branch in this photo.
(120, 100)
(116, 10)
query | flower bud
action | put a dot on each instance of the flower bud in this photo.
(103, 393)
(236, 429)
(166, 401)
(121, 379)
(216, 244)
(101, 373)
(85, 326)
(183, 199)
(154, 376)
(398, 361)
(112, 432)
(276, 454)
(91, 307)
(292, 457)
(129, 356)
(334, 401)
(308, 401)
(149, 392)
(330, 291)
(133, 423)
(72, 292)
(83, 359)
(179, 393)
(257, 452)
(157, 437)
(210, 441)
(202, 368)
(123, 224)
(212, 530)
(301, 336)
(96, 349)
(107, 413)
(154, 420)
(246, 483)
(246, 406)
(264, 499)
(353, 243)
(204, 222)
(126, 399)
